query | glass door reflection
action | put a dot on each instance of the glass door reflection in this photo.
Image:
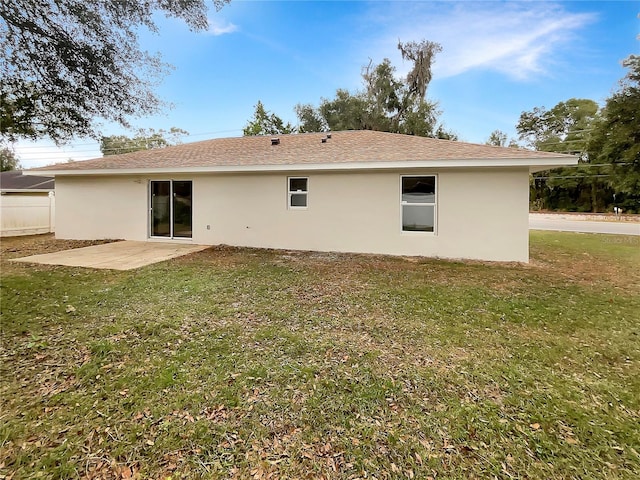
(170, 208)
(160, 209)
(182, 209)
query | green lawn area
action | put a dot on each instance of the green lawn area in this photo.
(243, 363)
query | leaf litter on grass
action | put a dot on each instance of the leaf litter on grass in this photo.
(252, 363)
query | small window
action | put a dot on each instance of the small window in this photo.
(298, 191)
(418, 204)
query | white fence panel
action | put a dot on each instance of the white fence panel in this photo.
(26, 214)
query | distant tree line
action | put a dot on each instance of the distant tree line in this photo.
(84, 63)
(606, 140)
(143, 140)
(385, 103)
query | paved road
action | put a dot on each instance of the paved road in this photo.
(547, 222)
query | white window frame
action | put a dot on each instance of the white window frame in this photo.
(433, 204)
(297, 192)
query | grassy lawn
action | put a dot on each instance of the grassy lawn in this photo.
(241, 363)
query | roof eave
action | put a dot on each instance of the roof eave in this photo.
(534, 164)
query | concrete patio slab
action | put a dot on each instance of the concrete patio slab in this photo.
(125, 255)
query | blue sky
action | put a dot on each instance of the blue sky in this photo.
(498, 59)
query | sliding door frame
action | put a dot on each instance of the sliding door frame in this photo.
(171, 207)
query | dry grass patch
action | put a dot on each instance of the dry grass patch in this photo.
(16, 247)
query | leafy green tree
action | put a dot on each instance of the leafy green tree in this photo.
(65, 64)
(421, 120)
(345, 111)
(443, 134)
(143, 140)
(387, 103)
(497, 138)
(616, 138)
(385, 96)
(566, 128)
(400, 105)
(309, 119)
(265, 122)
(8, 159)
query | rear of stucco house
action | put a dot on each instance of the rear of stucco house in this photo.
(356, 191)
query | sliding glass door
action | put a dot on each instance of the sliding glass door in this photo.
(170, 208)
(181, 209)
(160, 209)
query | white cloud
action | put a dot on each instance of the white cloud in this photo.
(221, 27)
(519, 39)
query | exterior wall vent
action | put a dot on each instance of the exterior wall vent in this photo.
(275, 141)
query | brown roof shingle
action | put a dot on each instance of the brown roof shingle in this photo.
(15, 181)
(304, 149)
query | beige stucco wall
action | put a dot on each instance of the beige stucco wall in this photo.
(91, 208)
(481, 214)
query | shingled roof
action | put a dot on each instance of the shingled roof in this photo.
(15, 181)
(357, 148)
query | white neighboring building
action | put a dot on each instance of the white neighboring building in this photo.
(27, 204)
(352, 191)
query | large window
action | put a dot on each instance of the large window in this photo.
(418, 204)
(298, 191)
